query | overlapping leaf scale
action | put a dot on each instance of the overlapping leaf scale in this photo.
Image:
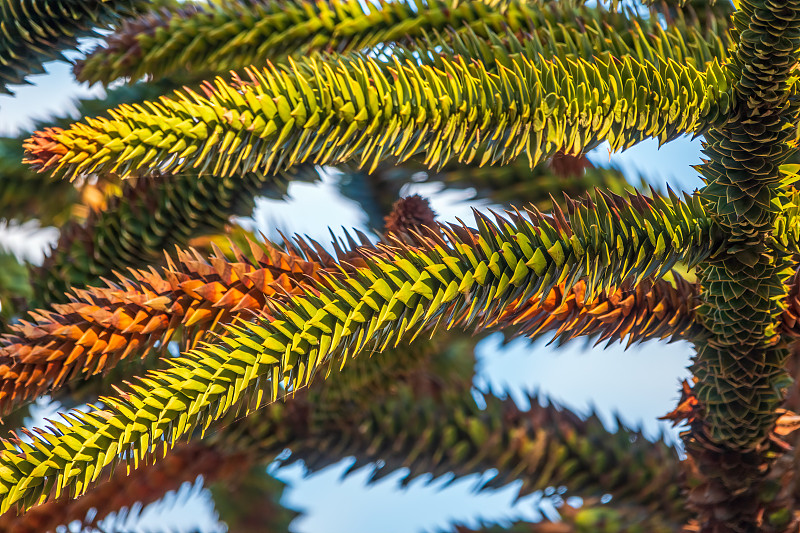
(426, 365)
(745, 192)
(740, 365)
(147, 309)
(582, 32)
(543, 447)
(35, 31)
(150, 215)
(652, 309)
(214, 37)
(354, 109)
(193, 294)
(122, 490)
(392, 297)
(237, 443)
(549, 441)
(100, 326)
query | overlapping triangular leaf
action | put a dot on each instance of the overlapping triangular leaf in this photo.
(356, 110)
(469, 275)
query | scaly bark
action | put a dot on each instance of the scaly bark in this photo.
(740, 365)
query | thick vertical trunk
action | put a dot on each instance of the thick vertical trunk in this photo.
(740, 366)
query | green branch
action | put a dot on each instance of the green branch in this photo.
(35, 31)
(468, 278)
(445, 433)
(357, 110)
(213, 37)
(26, 195)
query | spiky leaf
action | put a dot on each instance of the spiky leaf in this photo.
(152, 214)
(473, 274)
(217, 37)
(35, 31)
(356, 110)
(101, 326)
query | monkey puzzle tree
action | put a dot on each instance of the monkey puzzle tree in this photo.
(506, 97)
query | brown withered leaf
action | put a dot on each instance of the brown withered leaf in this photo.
(687, 407)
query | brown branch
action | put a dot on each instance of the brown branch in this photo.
(192, 294)
(650, 310)
(101, 326)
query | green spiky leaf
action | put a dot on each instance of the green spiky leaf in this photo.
(358, 110)
(464, 279)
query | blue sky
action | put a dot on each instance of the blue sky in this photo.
(639, 384)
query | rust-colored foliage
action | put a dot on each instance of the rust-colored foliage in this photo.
(100, 326)
(410, 215)
(567, 165)
(450, 86)
(687, 409)
(192, 294)
(43, 149)
(650, 310)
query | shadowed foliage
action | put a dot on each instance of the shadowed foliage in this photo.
(151, 214)
(234, 35)
(34, 31)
